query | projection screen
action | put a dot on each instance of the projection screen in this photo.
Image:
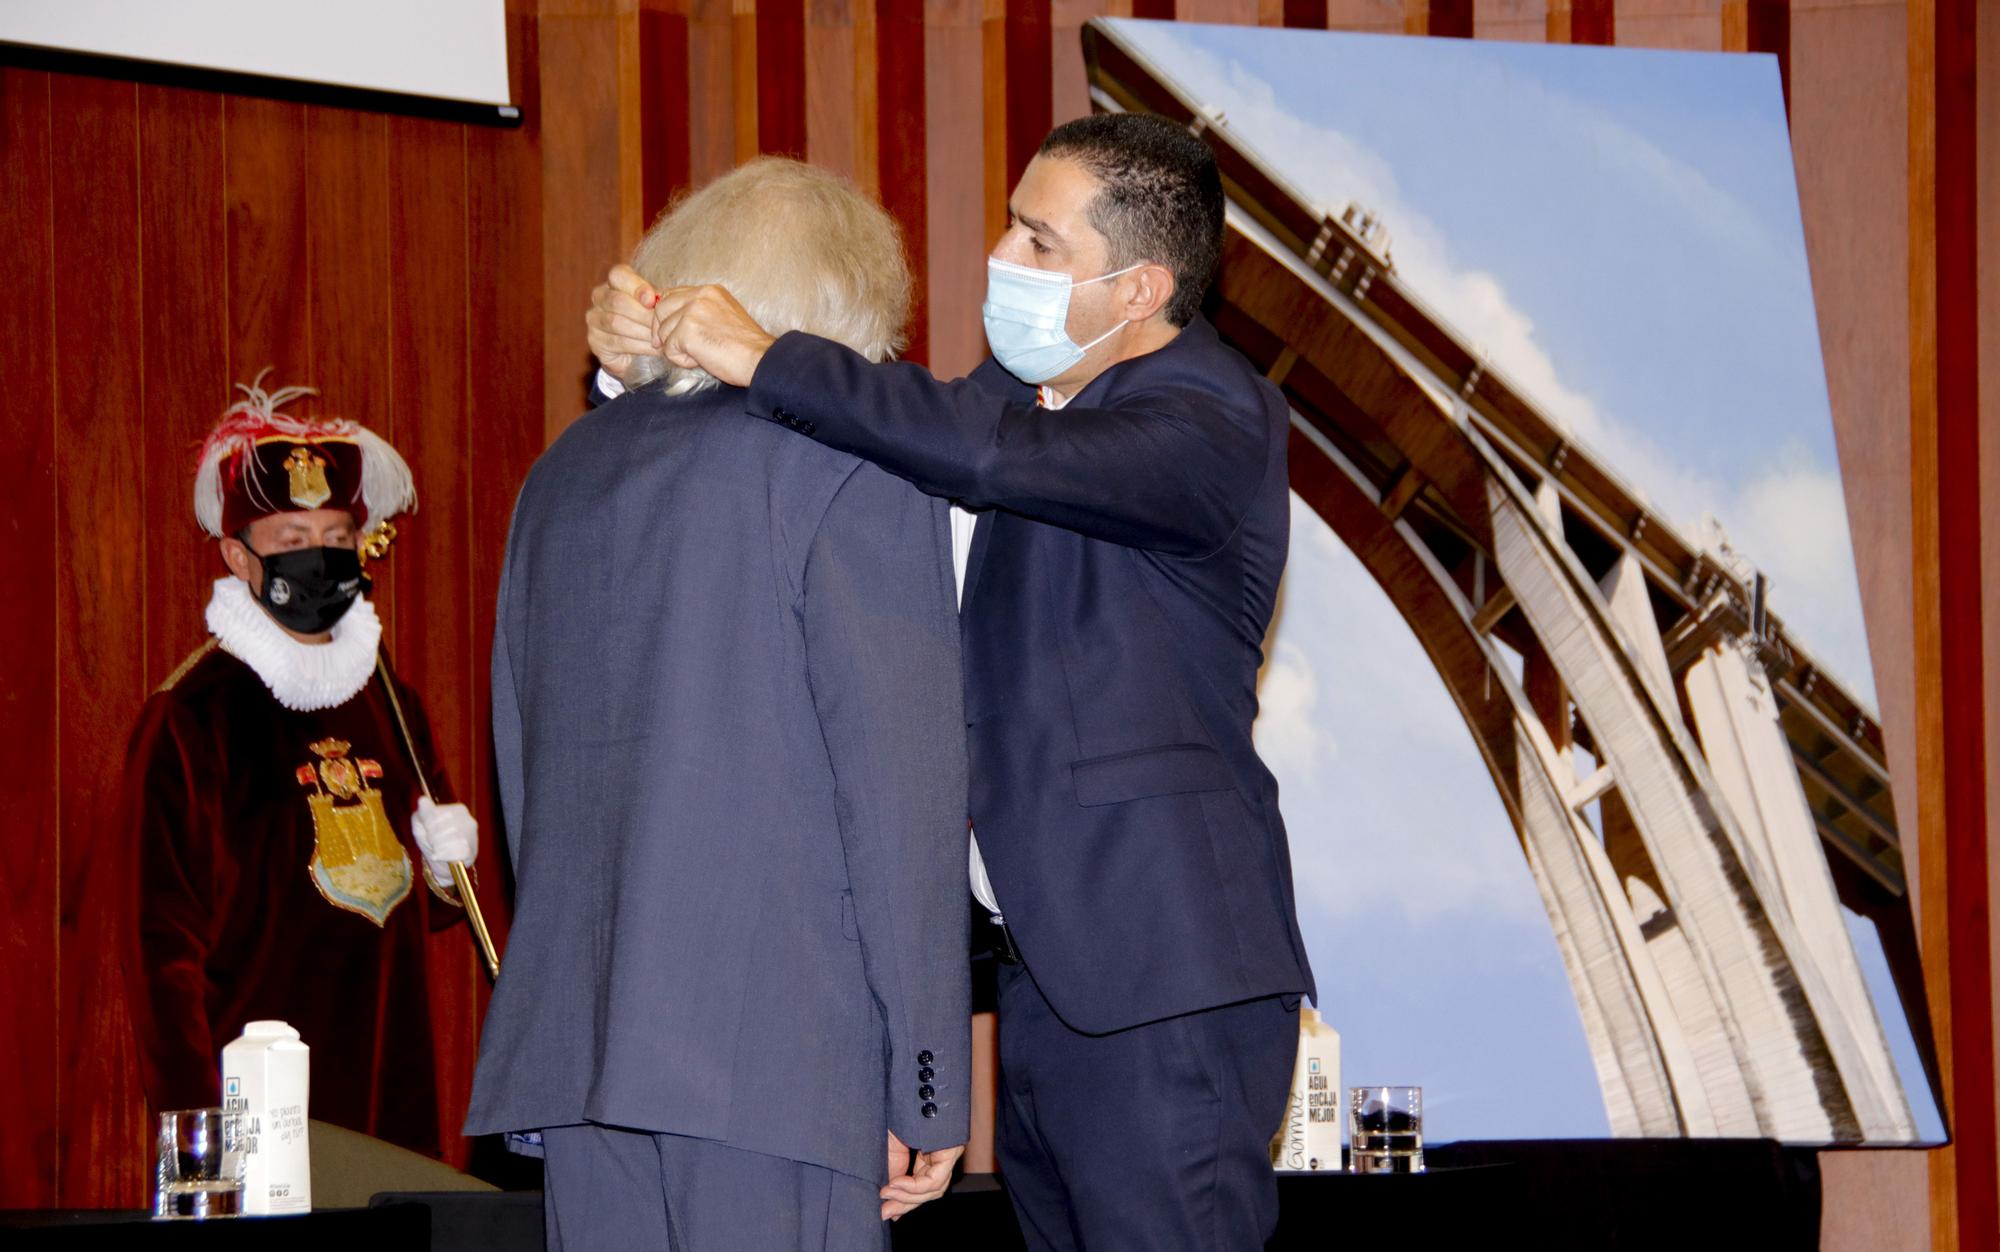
(440, 49)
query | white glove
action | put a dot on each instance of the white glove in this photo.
(445, 833)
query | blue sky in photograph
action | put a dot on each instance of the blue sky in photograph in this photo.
(1619, 231)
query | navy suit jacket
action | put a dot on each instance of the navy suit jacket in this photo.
(1113, 626)
(727, 732)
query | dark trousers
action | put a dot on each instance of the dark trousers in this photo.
(1154, 1138)
(606, 1188)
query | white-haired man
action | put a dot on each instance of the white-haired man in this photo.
(730, 743)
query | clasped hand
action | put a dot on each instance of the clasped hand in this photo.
(916, 1181)
(700, 328)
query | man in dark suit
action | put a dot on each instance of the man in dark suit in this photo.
(727, 727)
(1128, 841)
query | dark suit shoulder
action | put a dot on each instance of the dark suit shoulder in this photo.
(600, 445)
(702, 446)
(1195, 370)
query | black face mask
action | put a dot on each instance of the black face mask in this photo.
(309, 589)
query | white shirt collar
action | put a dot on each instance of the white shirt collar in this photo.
(305, 677)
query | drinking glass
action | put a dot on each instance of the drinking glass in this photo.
(1385, 1130)
(200, 1165)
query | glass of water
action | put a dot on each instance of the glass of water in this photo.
(1385, 1130)
(200, 1165)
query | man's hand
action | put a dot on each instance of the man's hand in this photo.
(704, 328)
(916, 1182)
(620, 321)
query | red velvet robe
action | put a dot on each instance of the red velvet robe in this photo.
(232, 926)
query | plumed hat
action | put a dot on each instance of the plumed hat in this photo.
(258, 461)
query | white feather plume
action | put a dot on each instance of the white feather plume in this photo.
(386, 483)
(387, 487)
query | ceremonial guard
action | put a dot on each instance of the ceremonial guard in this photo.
(282, 790)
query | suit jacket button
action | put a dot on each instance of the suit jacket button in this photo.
(926, 1091)
(924, 1058)
(809, 427)
(930, 1110)
(926, 1074)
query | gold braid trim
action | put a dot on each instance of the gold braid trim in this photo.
(193, 659)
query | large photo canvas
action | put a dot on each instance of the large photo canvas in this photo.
(1574, 725)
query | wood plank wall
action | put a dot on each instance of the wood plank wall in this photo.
(161, 244)
(409, 268)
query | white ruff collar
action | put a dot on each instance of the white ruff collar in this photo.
(305, 677)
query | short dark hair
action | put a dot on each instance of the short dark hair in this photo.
(1159, 197)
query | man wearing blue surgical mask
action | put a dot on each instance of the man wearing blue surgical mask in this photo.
(1128, 470)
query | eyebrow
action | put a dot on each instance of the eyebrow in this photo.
(1039, 227)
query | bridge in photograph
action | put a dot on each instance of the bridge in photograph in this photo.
(1696, 798)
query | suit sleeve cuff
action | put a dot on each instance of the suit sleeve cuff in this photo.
(778, 392)
(929, 1107)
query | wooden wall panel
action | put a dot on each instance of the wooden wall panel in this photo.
(1987, 142)
(348, 291)
(712, 89)
(264, 191)
(1761, 26)
(1380, 17)
(743, 78)
(589, 142)
(955, 179)
(426, 359)
(1694, 25)
(1030, 95)
(781, 77)
(899, 138)
(1446, 18)
(1576, 21)
(183, 354)
(107, 477)
(503, 388)
(833, 97)
(30, 876)
(663, 107)
(1850, 144)
(1525, 21)
(1952, 801)
(1014, 43)
(1069, 89)
(1300, 14)
(1220, 12)
(352, 250)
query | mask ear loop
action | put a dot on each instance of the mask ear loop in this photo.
(1106, 335)
(1100, 278)
(1113, 274)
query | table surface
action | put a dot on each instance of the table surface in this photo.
(1600, 1195)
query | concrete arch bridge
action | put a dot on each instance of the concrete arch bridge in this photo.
(1695, 797)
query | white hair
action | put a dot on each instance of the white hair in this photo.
(799, 247)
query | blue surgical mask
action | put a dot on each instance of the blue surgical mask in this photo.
(1027, 319)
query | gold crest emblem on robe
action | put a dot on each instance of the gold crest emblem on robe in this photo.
(358, 864)
(307, 470)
